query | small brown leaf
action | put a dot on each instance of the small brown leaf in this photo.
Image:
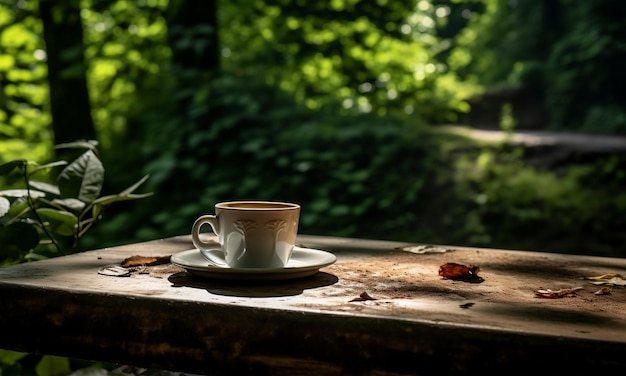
(363, 297)
(460, 272)
(555, 294)
(144, 260)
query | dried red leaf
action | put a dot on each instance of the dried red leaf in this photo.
(460, 272)
(363, 297)
(143, 260)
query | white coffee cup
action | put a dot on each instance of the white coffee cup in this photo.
(251, 234)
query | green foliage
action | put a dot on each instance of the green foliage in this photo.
(570, 52)
(359, 176)
(14, 363)
(590, 51)
(505, 42)
(24, 92)
(10, 357)
(53, 365)
(45, 219)
(10, 362)
(125, 45)
(361, 57)
(253, 141)
(503, 201)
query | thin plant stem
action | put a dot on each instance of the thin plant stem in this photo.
(31, 204)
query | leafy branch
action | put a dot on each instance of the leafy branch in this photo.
(45, 218)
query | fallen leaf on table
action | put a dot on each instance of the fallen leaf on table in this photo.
(554, 294)
(460, 272)
(143, 260)
(363, 297)
(115, 271)
(424, 249)
(603, 291)
(155, 266)
(607, 279)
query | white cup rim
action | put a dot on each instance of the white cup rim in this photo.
(256, 205)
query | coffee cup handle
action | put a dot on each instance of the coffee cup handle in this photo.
(195, 231)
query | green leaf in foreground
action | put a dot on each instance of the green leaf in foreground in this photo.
(47, 166)
(9, 357)
(53, 365)
(7, 168)
(22, 193)
(82, 179)
(108, 200)
(125, 195)
(46, 187)
(69, 203)
(132, 188)
(83, 144)
(19, 208)
(4, 206)
(59, 221)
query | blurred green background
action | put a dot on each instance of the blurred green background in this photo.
(337, 105)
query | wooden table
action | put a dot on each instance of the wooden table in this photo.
(382, 308)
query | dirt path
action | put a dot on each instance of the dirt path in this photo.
(534, 138)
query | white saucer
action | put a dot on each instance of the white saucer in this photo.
(303, 262)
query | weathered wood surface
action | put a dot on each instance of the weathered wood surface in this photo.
(417, 322)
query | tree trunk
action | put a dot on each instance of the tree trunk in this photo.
(69, 98)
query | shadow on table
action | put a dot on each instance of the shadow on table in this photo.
(254, 289)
